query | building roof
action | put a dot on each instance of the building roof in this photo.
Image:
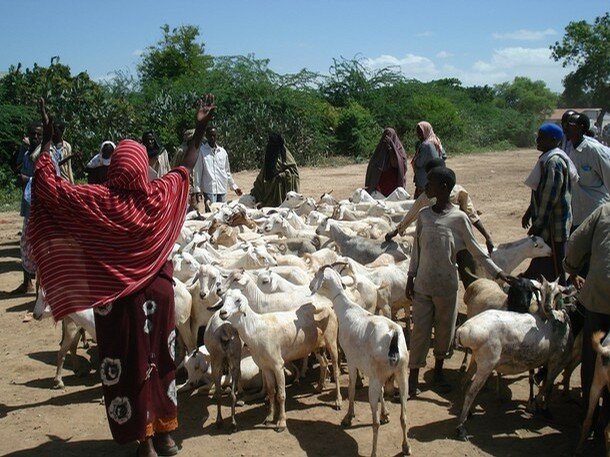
(556, 115)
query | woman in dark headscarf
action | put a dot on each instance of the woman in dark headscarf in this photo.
(278, 176)
(105, 247)
(387, 168)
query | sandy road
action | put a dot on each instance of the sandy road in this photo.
(37, 421)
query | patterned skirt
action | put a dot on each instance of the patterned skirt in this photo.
(136, 343)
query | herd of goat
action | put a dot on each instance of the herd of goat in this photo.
(272, 286)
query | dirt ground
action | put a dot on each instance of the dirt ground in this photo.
(38, 421)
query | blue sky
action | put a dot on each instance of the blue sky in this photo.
(477, 41)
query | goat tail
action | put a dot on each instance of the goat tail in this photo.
(603, 351)
(394, 353)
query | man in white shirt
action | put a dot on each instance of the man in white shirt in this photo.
(212, 173)
(592, 160)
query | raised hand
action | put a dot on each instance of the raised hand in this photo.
(47, 123)
(206, 109)
(205, 112)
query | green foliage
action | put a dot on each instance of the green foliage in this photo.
(176, 55)
(586, 47)
(320, 116)
(526, 96)
(14, 121)
(357, 132)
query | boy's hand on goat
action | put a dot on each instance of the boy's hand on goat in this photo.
(577, 281)
(409, 291)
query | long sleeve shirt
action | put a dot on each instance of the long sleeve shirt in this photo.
(591, 241)
(551, 203)
(459, 197)
(63, 150)
(438, 239)
(425, 152)
(212, 174)
(592, 159)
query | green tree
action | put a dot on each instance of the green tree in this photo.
(357, 132)
(353, 80)
(526, 96)
(177, 54)
(586, 47)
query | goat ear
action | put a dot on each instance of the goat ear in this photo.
(194, 281)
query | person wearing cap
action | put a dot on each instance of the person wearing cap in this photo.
(158, 160)
(549, 214)
(566, 145)
(592, 160)
(212, 174)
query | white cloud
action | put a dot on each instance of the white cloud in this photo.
(443, 54)
(503, 65)
(410, 65)
(427, 33)
(525, 35)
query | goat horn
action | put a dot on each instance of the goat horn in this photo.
(339, 263)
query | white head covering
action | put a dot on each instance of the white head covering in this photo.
(98, 160)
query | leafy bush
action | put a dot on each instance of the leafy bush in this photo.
(320, 116)
(357, 132)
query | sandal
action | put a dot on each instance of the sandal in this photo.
(165, 451)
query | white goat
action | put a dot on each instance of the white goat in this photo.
(509, 256)
(511, 343)
(269, 282)
(372, 344)
(277, 338)
(224, 346)
(267, 303)
(72, 325)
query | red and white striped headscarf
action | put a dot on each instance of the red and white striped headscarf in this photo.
(96, 243)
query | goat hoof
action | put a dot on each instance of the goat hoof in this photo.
(384, 419)
(280, 428)
(406, 449)
(346, 422)
(338, 406)
(240, 403)
(58, 384)
(233, 427)
(463, 369)
(462, 434)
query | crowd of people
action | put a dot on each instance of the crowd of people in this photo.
(137, 201)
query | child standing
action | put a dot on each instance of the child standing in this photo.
(442, 231)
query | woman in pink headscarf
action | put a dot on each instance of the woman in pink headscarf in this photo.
(387, 168)
(430, 147)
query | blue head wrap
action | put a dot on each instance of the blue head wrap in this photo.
(551, 130)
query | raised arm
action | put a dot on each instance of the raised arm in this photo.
(47, 126)
(204, 115)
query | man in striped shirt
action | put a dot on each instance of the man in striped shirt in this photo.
(550, 210)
